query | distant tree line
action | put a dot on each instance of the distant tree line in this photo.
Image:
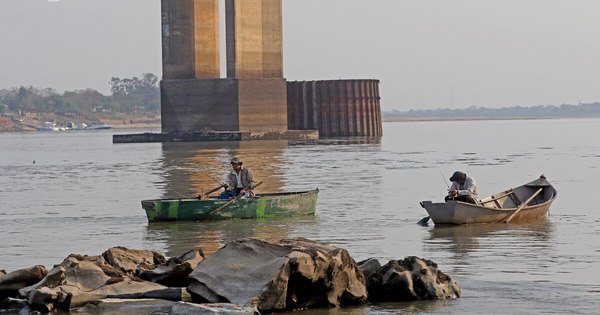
(565, 110)
(128, 95)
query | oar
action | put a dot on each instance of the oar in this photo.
(425, 219)
(219, 208)
(210, 191)
(523, 205)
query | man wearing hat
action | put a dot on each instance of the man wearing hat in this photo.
(239, 181)
(463, 188)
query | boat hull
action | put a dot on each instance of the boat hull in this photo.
(263, 206)
(456, 212)
(497, 208)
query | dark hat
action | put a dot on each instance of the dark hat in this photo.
(236, 160)
(458, 176)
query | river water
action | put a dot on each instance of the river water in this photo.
(77, 192)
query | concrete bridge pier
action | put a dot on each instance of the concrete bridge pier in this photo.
(251, 102)
(253, 97)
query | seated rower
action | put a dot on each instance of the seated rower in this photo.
(463, 188)
(239, 181)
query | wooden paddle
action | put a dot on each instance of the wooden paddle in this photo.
(523, 205)
(425, 219)
(231, 201)
(211, 191)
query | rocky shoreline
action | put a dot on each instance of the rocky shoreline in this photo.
(246, 276)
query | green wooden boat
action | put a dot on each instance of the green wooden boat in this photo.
(268, 205)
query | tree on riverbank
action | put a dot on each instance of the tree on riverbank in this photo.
(128, 95)
(135, 93)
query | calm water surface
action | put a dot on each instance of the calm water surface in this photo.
(76, 192)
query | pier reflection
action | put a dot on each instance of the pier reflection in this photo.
(191, 168)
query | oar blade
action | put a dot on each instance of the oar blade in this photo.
(424, 221)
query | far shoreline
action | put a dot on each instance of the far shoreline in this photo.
(116, 127)
(155, 123)
(12, 122)
(395, 118)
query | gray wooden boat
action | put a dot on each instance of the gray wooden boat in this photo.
(525, 203)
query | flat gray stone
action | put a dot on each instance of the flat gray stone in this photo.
(274, 276)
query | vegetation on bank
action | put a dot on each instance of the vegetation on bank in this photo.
(129, 95)
(133, 102)
(540, 111)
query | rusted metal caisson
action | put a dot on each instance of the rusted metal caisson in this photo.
(337, 108)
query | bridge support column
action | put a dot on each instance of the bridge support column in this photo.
(194, 97)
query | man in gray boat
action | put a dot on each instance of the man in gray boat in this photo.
(463, 188)
(239, 181)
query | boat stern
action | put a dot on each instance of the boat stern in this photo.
(149, 207)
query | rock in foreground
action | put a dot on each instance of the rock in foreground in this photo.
(243, 277)
(284, 275)
(410, 279)
(11, 282)
(119, 273)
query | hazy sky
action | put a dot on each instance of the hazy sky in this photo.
(427, 53)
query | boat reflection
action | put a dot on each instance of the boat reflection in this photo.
(210, 236)
(468, 245)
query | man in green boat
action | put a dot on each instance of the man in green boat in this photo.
(239, 182)
(463, 188)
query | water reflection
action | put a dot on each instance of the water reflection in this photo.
(469, 245)
(384, 308)
(337, 141)
(190, 168)
(180, 237)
